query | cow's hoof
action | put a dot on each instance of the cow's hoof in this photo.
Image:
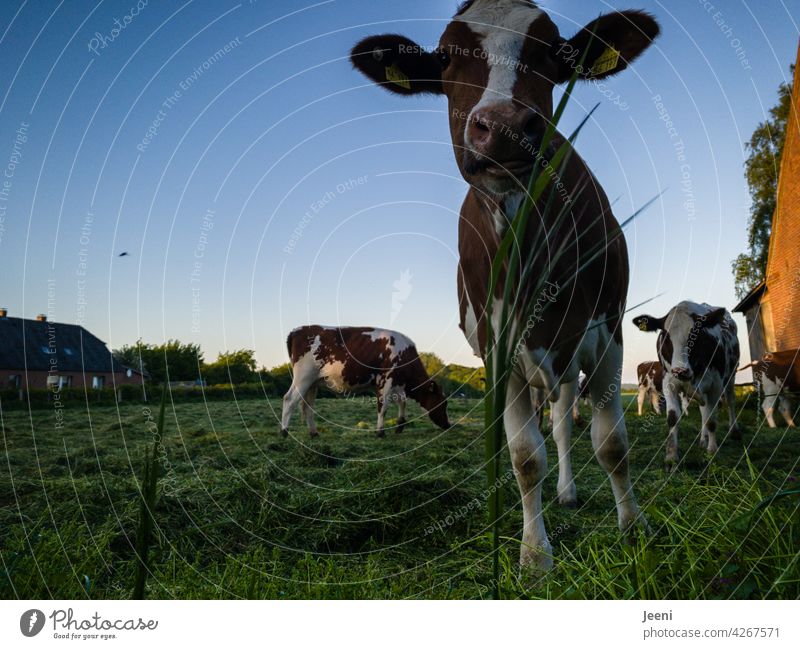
(535, 561)
(381, 433)
(671, 464)
(314, 433)
(285, 432)
(568, 503)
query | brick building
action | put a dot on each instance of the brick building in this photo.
(772, 309)
(42, 354)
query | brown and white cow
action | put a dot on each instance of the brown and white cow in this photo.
(651, 378)
(497, 63)
(699, 351)
(651, 385)
(777, 374)
(354, 359)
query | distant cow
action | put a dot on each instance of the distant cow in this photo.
(699, 351)
(651, 385)
(776, 375)
(355, 359)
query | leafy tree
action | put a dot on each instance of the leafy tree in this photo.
(276, 382)
(173, 360)
(433, 365)
(231, 367)
(762, 168)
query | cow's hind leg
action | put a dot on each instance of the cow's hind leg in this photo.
(785, 408)
(562, 434)
(641, 398)
(292, 399)
(609, 437)
(733, 422)
(529, 460)
(708, 436)
(307, 406)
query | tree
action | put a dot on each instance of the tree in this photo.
(232, 367)
(172, 360)
(762, 168)
(433, 365)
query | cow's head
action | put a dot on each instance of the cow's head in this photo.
(686, 342)
(498, 62)
(430, 396)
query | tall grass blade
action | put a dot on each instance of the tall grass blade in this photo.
(149, 498)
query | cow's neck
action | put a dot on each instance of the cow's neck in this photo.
(501, 210)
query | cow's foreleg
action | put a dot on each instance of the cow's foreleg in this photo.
(529, 460)
(562, 433)
(609, 437)
(708, 435)
(401, 411)
(674, 414)
(684, 404)
(384, 393)
(307, 405)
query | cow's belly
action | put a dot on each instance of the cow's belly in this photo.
(333, 376)
(470, 327)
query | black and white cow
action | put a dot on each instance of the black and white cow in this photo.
(497, 64)
(777, 376)
(699, 351)
(354, 359)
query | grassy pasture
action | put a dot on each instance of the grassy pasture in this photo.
(244, 513)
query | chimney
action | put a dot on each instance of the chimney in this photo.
(41, 317)
(3, 312)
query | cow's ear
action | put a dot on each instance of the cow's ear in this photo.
(398, 64)
(613, 40)
(716, 317)
(648, 323)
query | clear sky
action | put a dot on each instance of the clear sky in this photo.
(270, 186)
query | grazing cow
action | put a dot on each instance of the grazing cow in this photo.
(699, 351)
(651, 379)
(497, 64)
(776, 374)
(354, 359)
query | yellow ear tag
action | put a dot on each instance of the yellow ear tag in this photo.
(606, 62)
(396, 76)
(643, 326)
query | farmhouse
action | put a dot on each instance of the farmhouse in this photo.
(772, 309)
(43, 354)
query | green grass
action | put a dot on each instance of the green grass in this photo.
(245, 513)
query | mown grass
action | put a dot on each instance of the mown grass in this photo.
(245, 513)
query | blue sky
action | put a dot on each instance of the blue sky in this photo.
(271, 186)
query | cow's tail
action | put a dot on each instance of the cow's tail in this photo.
(748, 366)
(289, 340)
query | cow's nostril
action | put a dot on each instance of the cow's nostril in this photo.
(533, 126)
(481, 126)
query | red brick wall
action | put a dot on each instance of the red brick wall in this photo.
(783, 268)
(38, 379)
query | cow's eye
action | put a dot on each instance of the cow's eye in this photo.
(443, 58)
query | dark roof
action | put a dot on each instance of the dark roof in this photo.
(751, 298)
(40, 345)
